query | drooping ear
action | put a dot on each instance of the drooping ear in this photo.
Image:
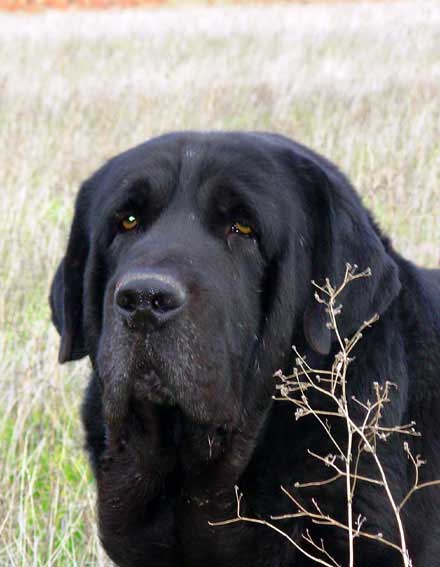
(66, 295)
(56, 298)
(344, 232)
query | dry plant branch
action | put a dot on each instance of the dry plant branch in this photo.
(362, 436)
(240, 518)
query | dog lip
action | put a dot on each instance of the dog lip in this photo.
(150, 386)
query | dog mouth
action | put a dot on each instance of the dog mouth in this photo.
(152, 388)
(173, 371)
(133, 382)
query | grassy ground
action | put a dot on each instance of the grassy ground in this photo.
(358, 83)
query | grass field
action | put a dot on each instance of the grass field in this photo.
(357, 83)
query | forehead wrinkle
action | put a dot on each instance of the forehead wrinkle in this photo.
(190, 163)
(155, 182)
(206, 160)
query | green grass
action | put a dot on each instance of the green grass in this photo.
(357, 83)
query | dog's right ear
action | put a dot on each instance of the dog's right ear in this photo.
(66, 298)
(72, 337)
(56, 298)
(66, 294)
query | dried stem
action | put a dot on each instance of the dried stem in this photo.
(362, 436)
(240, 518)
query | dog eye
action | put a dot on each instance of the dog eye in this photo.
(243, 229)
(129, 222)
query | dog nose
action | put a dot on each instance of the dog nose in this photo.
(150, 298)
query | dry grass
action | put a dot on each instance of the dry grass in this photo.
(356, 82)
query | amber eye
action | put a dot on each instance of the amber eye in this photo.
(129, 223)
(243, 229)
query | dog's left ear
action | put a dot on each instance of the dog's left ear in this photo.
(344, 232)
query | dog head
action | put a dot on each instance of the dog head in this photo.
(188, 268)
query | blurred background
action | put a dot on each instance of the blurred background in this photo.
(358, 82)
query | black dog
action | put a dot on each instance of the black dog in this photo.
(186, 281)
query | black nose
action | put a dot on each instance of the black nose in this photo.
(150, 298)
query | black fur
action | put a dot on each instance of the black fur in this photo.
(177, 415)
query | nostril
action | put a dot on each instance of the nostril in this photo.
(164, 301)
(158, 302)
(127, 300)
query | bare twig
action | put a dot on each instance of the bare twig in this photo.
(240, 518)
(362, 436)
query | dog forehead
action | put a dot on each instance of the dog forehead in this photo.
(209, 150)
(177, 166)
